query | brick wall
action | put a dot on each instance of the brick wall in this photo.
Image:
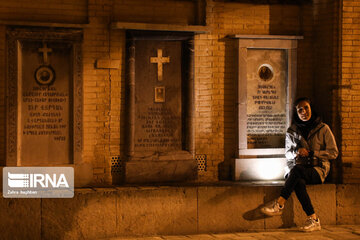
(155, 11)
(305, 57)
(215, 69)
(117, 104)
(325, 54)
(97, 89)
(326, 69)
(350, 90)
(104, 92)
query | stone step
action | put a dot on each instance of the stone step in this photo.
(169, 210)
(329, 232)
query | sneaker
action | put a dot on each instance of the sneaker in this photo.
(272, 209)
(311, 225)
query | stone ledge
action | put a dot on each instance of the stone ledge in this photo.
(160, 27)
(169, 209)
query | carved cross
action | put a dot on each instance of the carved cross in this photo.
(45, 50)
(160, 60)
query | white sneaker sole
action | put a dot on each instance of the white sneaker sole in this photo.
(271, 214)
(311, 229)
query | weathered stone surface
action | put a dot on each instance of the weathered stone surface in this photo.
(160, 108)
(230, 208)
(20, 218)
(348, 204)
(157, 210)
(169, 210)
(266, 90)
(158, 92)
(83, 174)
(323, 198)
(88, 215)
(45, 103)
(160, 171)
(287, 218)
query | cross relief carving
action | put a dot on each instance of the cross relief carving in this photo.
(160, 60)
(45, 50)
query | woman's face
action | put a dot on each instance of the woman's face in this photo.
(304, 111)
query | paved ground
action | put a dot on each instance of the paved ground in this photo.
(343, 232)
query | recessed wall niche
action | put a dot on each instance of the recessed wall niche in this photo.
(160, 107)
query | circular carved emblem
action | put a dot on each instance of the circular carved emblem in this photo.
(44, 75)
(266, 72)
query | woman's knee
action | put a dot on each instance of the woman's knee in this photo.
(300, 185)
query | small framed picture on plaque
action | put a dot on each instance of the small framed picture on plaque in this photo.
(159, 94)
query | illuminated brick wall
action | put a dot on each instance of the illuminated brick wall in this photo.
(350, 91)
(319, 74)
(97, 88)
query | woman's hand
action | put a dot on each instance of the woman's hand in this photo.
(303, 152)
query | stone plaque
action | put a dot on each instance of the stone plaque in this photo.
(44, 104)
(44, 95)
(266, 98)
(160, 108)
(158, 111)
(266, 84)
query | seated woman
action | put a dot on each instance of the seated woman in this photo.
(310, 145)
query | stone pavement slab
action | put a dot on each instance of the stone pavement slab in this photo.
(333, 232)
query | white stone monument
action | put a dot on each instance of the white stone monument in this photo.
(266, 85)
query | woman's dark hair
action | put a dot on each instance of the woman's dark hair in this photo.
(306, 99)
(295, 117)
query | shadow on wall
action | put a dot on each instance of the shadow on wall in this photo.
(117, 165)
(230, 108)
(287, 218)
(75, 218)
(326, 80)
(318, 61)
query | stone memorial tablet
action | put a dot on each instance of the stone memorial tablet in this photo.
(266, 85)
(158, 114)
(160, 108)
(44, 100)
(266, 98)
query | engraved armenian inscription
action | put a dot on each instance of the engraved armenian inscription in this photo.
(44, 109)
(159, 129)
(266, 98)
(158, 111)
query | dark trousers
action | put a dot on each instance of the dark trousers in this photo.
(297, 179)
